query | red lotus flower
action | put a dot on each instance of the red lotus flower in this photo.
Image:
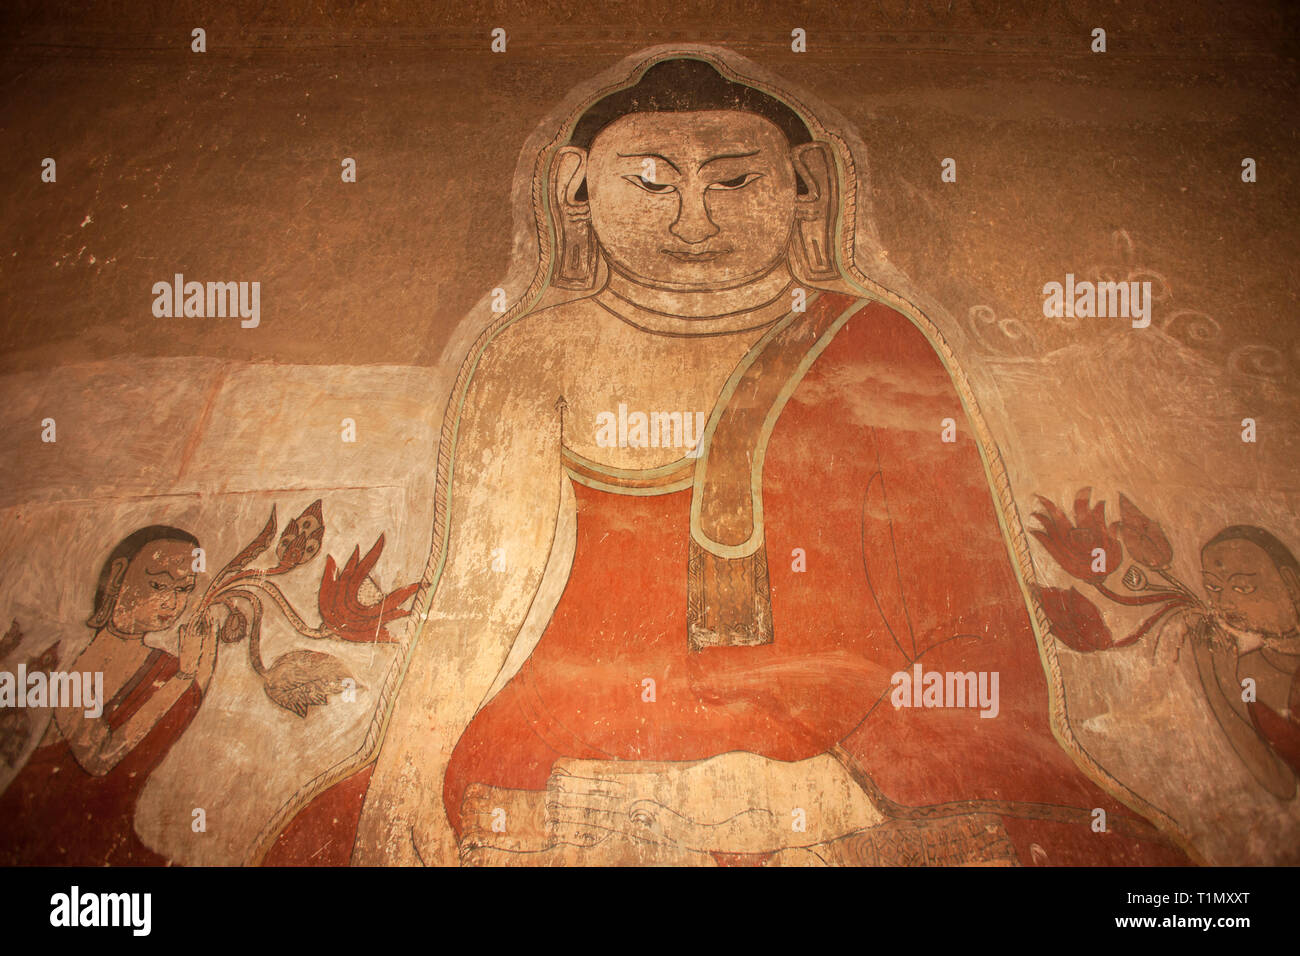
(1073, 545)
(301, 539)
(340, 603)
(1144, 538)
(1075, 620)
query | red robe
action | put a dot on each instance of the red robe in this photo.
(905, 563)
(1282, 733)
(54, 812)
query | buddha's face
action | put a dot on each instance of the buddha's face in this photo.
(1246, 589)
(155, 588)
(692, 201)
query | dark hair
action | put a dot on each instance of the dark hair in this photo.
(128, 548)
(1279, 553)
(685, 85)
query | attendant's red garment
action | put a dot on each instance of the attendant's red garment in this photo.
(904, 562)
(54, 812)
(1282, 734)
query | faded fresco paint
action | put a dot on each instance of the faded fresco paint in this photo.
(739, 554)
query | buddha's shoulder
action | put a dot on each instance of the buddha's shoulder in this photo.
(569, 316)
(877, 335)
(550, 331)
(876, 320)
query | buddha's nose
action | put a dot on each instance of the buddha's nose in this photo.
(693, 224)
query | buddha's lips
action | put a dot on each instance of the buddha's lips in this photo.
(696, 256)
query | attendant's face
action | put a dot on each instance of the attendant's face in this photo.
(155, 588)
(1246, 589)
(692, 201)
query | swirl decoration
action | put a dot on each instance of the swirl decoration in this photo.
(1192, 327)
(1261, 362)
(1188, 327)
(1001, 335)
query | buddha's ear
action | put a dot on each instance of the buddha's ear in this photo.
(575, 240)
(815, 211)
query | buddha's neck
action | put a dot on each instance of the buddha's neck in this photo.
(708, 312)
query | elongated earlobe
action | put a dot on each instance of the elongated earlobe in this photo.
(575, 239)
(813, 248)
(104, 613)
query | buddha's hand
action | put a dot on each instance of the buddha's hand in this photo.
(509, 828)
(733, 803)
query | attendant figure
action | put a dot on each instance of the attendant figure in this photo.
(74, 801)
(1248, 653)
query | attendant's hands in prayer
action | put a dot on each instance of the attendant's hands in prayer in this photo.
(198, 651)
(193, 647)
(1187, 632)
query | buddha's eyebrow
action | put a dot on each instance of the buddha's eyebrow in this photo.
(714, 159)
(650, 156)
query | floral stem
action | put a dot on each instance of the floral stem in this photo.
(252, 574)
(1179, 586)
(1160, 589)
(276, 595)
(1149, 622)
(1133, 601)
(254, 630)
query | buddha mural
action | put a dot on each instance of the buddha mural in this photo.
(645, 642)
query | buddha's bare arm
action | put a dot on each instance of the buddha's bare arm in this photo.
(503, 504)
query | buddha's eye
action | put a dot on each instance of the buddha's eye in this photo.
(1244, 588)
(648, 186)
(1212, 588)
(157, 585)
(738, 182)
